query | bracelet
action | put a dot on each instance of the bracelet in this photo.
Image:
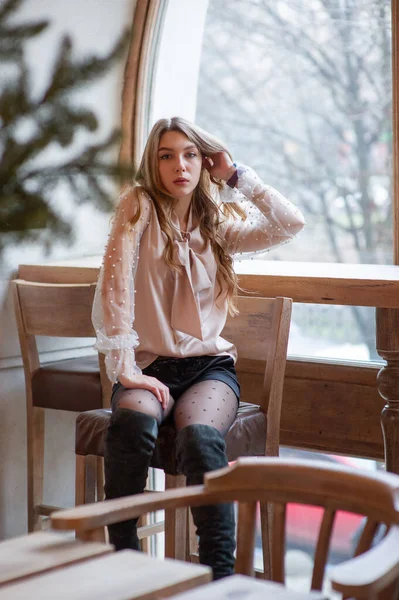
(232, 180)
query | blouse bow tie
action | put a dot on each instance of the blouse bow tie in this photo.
(193, 279)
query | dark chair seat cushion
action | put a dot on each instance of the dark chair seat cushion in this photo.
(72, 384)
(246, 437)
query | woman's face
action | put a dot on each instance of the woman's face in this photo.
(180, 163)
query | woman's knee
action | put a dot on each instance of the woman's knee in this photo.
(211, 403)
(142, 401)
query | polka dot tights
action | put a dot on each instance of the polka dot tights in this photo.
(207, 403)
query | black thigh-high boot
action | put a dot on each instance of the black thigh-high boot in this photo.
(129, 445)
(201, 448)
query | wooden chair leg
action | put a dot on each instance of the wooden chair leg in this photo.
(35, 461)
(266, 521)
(192, 541)
(175, 523)
(90, 479)
(88, 470)
(145, 521)
(100, 479)
(80, 479)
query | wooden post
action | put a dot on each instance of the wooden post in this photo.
(387, 321)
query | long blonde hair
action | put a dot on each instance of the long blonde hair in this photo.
(205, 209)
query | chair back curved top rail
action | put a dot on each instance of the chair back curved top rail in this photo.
(58, 274)
(279, 482)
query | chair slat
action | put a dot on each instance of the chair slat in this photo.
(367, 536)
(323, 544)
(278, 542)
(246, 538)
(266, 519)
(59, 310)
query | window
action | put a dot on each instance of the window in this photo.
(301, 91)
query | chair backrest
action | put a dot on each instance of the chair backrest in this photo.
(56, 310)
(279, 482)
(56, 274)
(260, 332)
(59, 310)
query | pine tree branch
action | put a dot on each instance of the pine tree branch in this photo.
(28, 126)
(25, 211)
(7, 7)
(14, 101)
(12, 37)
(67, 74)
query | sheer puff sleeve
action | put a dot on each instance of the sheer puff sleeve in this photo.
(271, 218)
(113, 306)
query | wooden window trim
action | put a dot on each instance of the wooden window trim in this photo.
(136, 79)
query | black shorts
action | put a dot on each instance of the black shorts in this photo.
(178, 374)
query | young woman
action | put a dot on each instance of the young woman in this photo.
(165, 288)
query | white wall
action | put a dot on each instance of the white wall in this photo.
(94, 26)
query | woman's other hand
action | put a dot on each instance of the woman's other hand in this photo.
(219, 165)
(145, 382)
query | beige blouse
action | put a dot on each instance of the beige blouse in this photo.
(143, 309)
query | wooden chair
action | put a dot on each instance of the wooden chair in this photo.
(260, 332)
(57, 310)
(373, 573)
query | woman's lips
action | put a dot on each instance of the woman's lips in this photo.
(180, 181)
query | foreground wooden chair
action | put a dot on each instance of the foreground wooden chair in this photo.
(260, 332)
(373, 571)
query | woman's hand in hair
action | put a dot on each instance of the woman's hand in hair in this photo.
(219, 165)
(145, 382)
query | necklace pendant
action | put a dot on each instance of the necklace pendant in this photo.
(185, 235)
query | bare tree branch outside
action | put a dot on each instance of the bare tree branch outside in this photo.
(302, 91)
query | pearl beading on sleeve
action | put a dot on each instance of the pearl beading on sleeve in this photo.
(113, 306)
(271, 218)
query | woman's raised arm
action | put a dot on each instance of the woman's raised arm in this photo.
(271, 218)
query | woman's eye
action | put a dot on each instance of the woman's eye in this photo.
(164, 156)
(191, 154)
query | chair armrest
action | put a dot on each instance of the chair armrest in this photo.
(370, 572)
(88, 517)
